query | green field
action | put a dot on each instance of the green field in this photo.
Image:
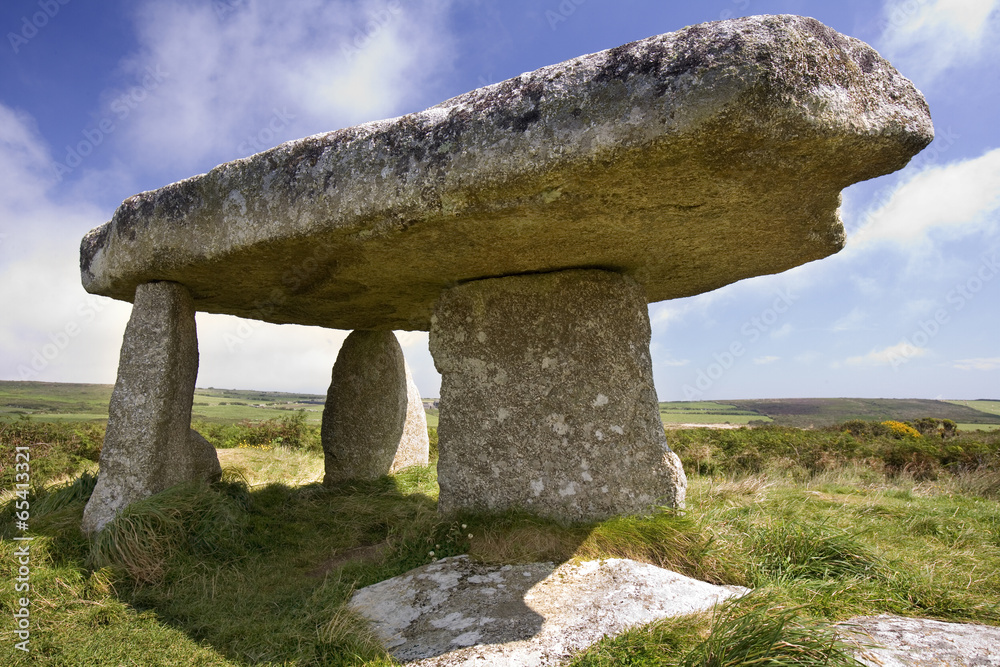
(821, 412)
(992, 407)
(57, 402)
(257, 569)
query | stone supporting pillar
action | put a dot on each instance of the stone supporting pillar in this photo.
(149, 445)
(547, 398)
(374, 421)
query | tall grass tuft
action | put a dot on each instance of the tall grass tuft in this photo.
(666, 540)
(757, 630)
(192, 518)
(55, 498)
(792, 549)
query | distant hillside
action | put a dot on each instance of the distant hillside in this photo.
(63, 401)
(817, 412)
(60, 401)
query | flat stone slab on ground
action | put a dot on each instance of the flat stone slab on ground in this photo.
(687, 161)
(457, 612)
(921, 642)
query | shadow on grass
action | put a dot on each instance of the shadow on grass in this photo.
(263, 575)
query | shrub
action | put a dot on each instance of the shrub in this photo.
(861, 428)
(55, 450)
(901, 430)
(291, 432)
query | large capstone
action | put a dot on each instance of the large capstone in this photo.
(688, 161)
(547, 398)
(370, 426)
(149, 445)
(676, 165)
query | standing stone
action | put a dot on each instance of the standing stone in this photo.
(373, 422)
(414, 447)
(149, 445)
(547, 398)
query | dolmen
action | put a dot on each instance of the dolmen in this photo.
(526, 225)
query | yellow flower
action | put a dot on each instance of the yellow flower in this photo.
(901, 430)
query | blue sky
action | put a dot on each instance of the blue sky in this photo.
(99, 101)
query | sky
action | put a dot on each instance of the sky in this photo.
(99, 101)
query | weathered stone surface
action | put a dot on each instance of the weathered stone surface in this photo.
(921, 642)
(547, 398)
(205, 462)
(414, 445)
(149, 445)
(456, 612)
(687, 161)
(369, 427)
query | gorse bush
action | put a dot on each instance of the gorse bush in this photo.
(291, 432)
(901, 430)
(803, 454)
(55, 449)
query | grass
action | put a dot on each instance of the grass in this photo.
(256, 570)
(61, 402)
(709, 418)
(992, 407)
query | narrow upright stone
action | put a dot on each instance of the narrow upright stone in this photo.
(149, 445)
(547, 398)
(369, 425)
(414, 446)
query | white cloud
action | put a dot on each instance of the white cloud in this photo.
(203, 85)
(236, 353)
(979, 364)
(52, 329)
(853, 321)
(233, 83)
(808, 357)
(889, 356)
(24, 164)
(783, 331)
(952, 201)
(761, 361)
(925, 38)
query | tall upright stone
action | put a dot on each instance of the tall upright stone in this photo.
(149, 445)
(547, 398)
(370, 425)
